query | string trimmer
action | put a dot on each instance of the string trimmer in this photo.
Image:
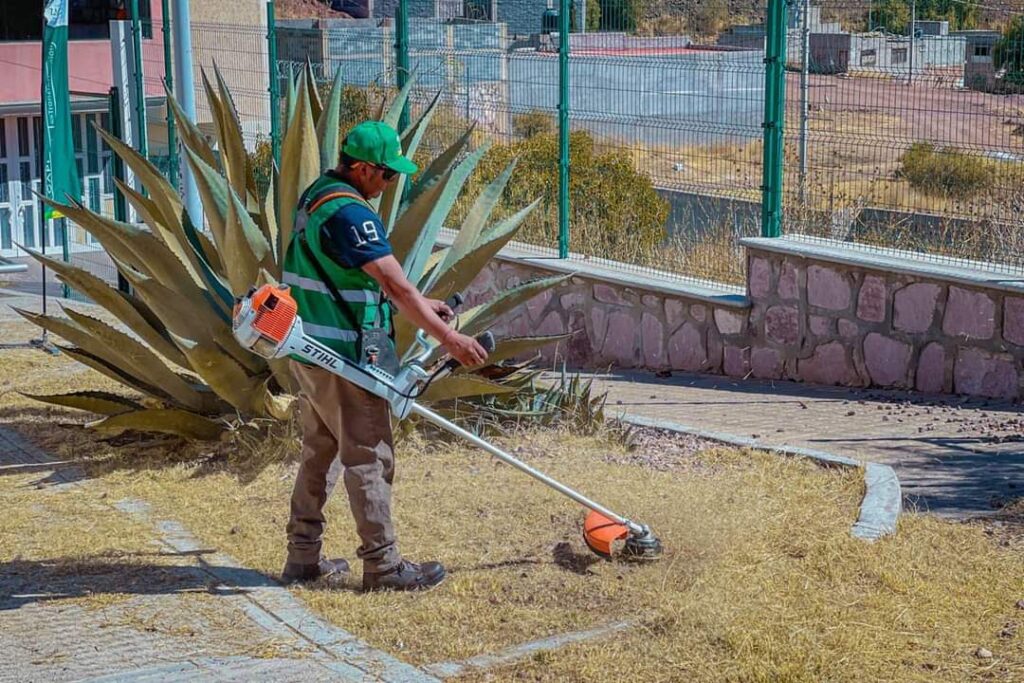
(266, 321)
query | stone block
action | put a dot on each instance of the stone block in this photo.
(686, 349)
(789, 286)
(766, 363)
(674, 313)
(829, 364)
(931, 369)
(607, 294)
(598, 326)
(914, 307)
(578, 347)
(871, 299)
(620, 341)
(782, 325)
(538, 304)
(552, 324)
(729, 322)
(971, 315)
(848, 329)
(827, 288)
(1013, 320)
(887, 360)
(759, 279)
(650, 301)
(714, 341)
(571, 301)
(736, 361)
(698, 312)
(652, 337)
(821, 326)
(980, 373)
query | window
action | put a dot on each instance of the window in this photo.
(25, 174)
(899, 55)
(22, 136)
(92, 146)
(3, 139)
(868, 57)
(5, 229)
(28, 222)
(5, 191)
(22, 20)
(982, 50)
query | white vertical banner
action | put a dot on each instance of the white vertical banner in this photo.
(123, 60)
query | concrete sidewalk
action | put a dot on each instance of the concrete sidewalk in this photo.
(955, 456)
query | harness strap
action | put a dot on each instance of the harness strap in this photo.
(339, 194)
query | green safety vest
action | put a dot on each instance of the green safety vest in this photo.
(322, 317)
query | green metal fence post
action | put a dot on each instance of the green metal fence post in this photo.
(774, 114)
(275, 85)
(172, 134)
(402, 55)
(140, 89)
(563, 129)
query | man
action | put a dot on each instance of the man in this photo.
(338, 264)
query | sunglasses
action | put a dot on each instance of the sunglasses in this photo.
(389, 173)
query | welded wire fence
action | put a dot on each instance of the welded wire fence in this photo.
(912, 139)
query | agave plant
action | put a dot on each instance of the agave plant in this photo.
(187, 373)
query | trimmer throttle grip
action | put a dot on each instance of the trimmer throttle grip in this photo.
(455, 300)
(485, 340)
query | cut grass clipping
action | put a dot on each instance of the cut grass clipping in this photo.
(761, 579)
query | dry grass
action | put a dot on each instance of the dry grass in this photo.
(761, 580)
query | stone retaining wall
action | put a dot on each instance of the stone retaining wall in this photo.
(804, 319)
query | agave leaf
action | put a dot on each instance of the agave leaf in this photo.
(116, 303)
(189, 321)
(172, 239)
(213, 190)
(416, 260)
(113, 372)
(98, 227)
(95, 347)
(102, 402)
(163, 195)
(438, 168)
(191, 137)
(166, 421)
(309, 80)
(465, 268)
(473, 225)
(210, 254)
(391, 200)
(412, 220)
(291, 98)
(225, 375)
(246, 245)
(461, 386)
(233, 155)
(327, 130)
(138, 359)
(395, 110)
(300, 166)
(480, 318)
(516, 346)
(268, 224)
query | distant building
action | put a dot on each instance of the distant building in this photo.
(979, 68)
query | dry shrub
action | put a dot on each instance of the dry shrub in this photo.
(946, 171)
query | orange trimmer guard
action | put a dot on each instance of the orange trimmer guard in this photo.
(599, 533)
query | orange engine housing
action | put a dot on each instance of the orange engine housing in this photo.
(275, 311)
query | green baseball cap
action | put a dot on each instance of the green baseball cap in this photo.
(376, 142)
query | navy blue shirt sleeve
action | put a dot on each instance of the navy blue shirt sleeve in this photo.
(354, 236)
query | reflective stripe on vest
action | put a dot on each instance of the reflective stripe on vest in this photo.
(334, 333)
(356, 296)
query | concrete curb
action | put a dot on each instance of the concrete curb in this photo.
(879, 508)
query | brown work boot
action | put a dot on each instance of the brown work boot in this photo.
(334, 572)
(407, 576)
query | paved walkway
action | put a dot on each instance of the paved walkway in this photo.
(955, 456)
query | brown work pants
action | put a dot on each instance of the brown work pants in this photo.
(343, 421)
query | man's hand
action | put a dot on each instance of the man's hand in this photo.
(464, 349)
(443, 310)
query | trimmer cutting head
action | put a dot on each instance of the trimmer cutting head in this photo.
(601, 534)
